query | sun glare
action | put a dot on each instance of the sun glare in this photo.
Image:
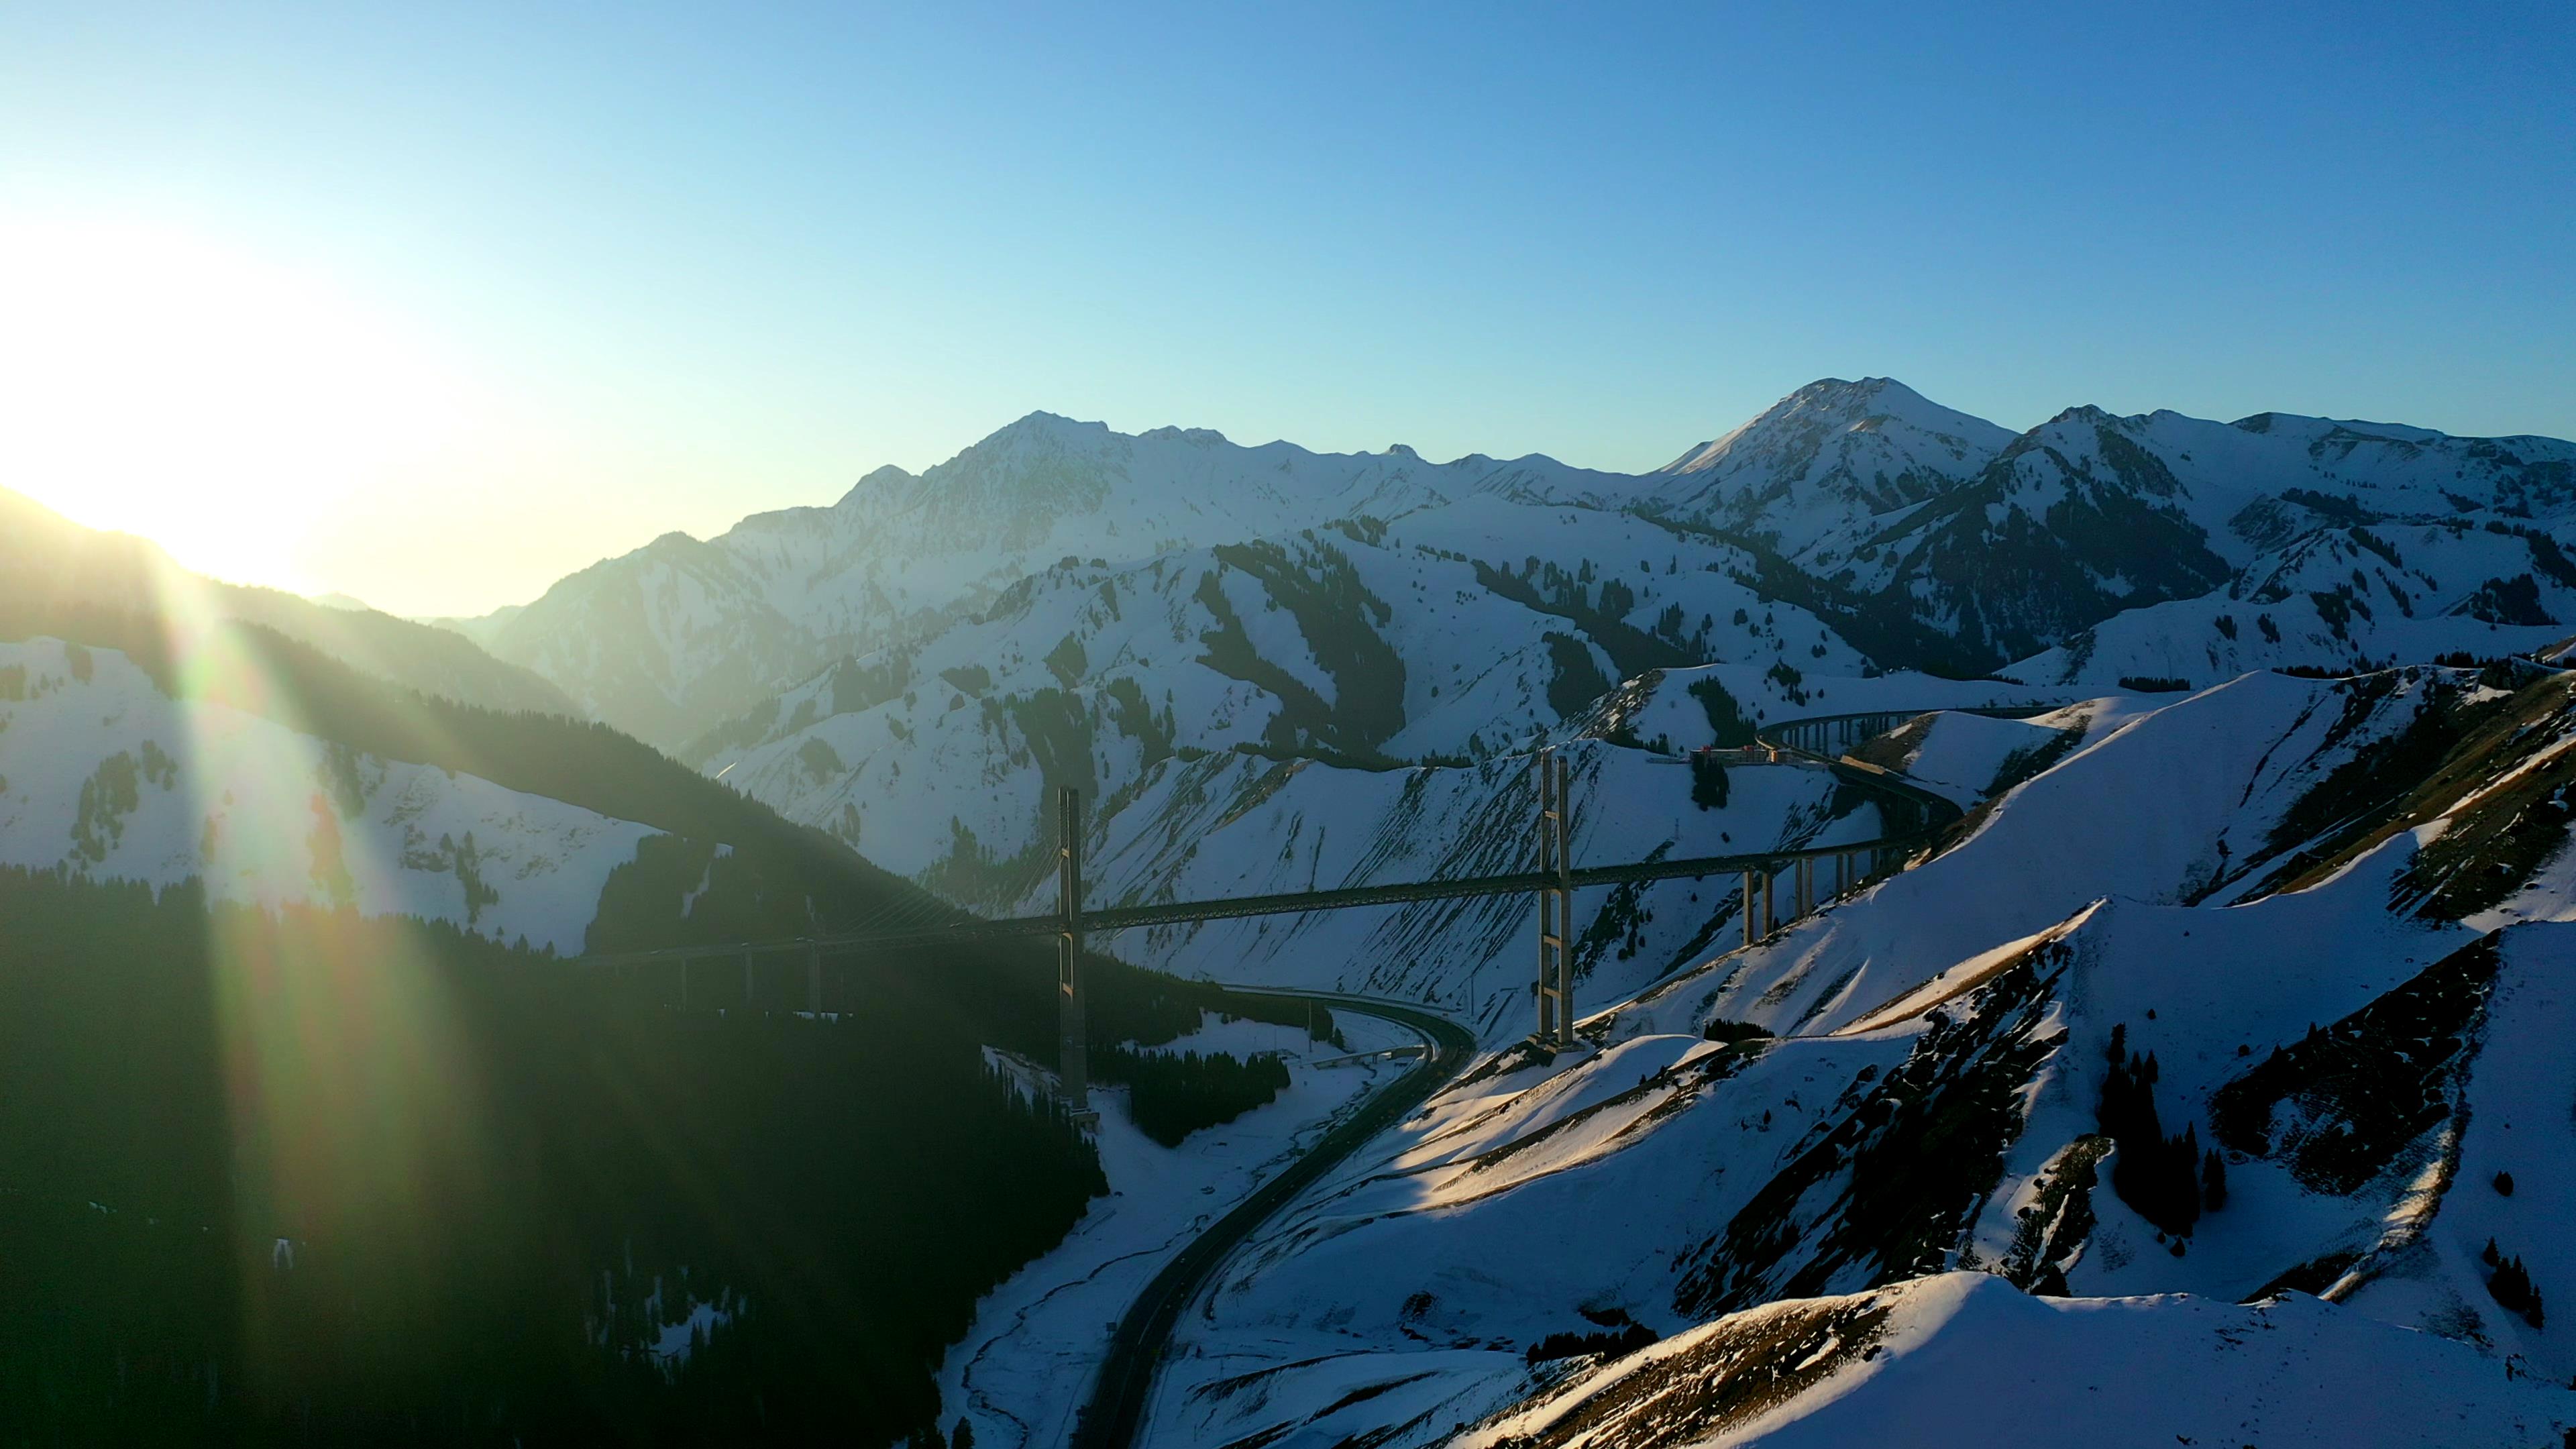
(209, 400)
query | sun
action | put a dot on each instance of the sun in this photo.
(204, 397)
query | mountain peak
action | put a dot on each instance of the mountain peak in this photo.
(1043, 424)
(1833, 405)
(1866, 389)
(1202, 437)
(877, 483)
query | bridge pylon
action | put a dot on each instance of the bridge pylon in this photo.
(1555, 902)
(1074, 1042)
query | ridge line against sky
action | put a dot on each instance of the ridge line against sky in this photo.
(436, 308)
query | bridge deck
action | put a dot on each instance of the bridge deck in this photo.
(1928, 810)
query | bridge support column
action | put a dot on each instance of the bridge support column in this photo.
(814, 980)
(1073, 1046)
(1751, 934)
(1806, 885)
(1770, 903)
(1555, 903)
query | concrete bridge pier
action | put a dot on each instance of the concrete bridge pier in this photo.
(1752, 934)
(814, 980)
(1073, 1046)
(1555, 902)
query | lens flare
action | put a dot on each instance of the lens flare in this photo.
(362, 1118)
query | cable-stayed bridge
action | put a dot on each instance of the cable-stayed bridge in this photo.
(1812, 874)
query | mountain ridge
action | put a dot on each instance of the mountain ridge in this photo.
(1841, 480)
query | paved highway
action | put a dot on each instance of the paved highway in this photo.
(1125, 1385)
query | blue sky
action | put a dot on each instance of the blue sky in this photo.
(683, 263)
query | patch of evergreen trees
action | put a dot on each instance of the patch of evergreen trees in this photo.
(2510, 1285)
(1616, 1342)
(1171, 1096)
(1708, 781)
(2169, 1181)
(1727, 723)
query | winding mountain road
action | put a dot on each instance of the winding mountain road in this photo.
(1125, 1384)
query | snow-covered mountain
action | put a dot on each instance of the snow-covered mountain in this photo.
(681, 635)
(1826, 459)
(2089, 515)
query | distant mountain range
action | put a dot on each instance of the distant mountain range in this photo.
(1924, 537)
(1100, 608)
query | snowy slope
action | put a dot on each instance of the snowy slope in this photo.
(103, 775)
(2519, 1133)
(1934, 1104)
(2189, 791)
(1964, 1360)
(2340, 599)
